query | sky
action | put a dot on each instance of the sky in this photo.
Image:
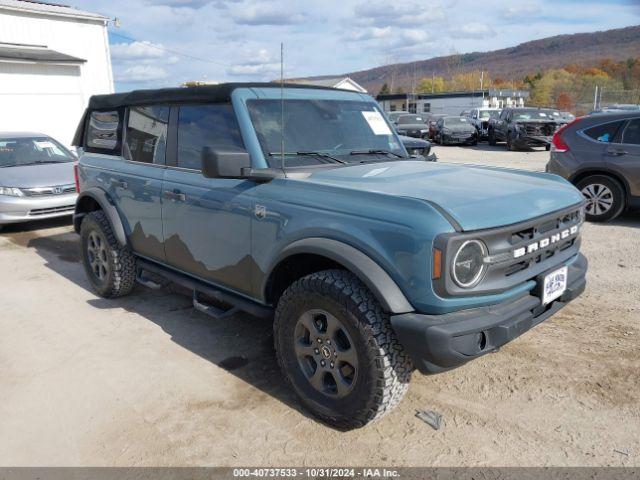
(158, 43)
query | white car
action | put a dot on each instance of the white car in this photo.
(36, 178)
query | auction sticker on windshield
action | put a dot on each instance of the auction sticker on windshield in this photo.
(376, 123)
(554, 285)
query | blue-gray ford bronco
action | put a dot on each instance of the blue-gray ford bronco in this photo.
(300, 205)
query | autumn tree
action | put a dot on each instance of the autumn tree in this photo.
(564, 102)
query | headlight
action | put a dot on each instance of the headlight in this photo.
(424, 130)
(12, 192)
(417, 151)
(468, 263)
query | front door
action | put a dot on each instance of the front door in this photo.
(207, 221)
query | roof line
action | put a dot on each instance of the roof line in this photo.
(29, 7)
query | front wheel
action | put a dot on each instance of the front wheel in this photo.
(111, 268)
(492, 138)
(337, 349)
(605, 197)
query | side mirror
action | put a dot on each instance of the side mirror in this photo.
(224, 163)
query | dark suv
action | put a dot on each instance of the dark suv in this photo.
(600, 154)
(300, 205)
(524, 127)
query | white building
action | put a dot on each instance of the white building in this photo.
(452, 103)
(344, 83)
(52, 59)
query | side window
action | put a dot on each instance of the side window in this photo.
(103, 132)
(631, 133)
(200, 126)
(605, 132)
(146, 138)
(503, 114)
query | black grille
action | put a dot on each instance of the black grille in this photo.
(545, 129)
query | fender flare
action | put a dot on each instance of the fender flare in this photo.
(107, 206)
(383, 287)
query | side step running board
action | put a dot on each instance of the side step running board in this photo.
(199, 287)
(211, 310)
(147, 282)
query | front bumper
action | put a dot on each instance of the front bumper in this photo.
(532, 141)
(440, 342)
(459, 138)
(25, 209)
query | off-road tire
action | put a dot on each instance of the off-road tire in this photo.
(618, 196)
(492, 138)
(121, 275)
(384, 369)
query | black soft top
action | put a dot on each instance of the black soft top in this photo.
(220, 93)
(201, 93)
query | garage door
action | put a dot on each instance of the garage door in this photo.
(44, 98)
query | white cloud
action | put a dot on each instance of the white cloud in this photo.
(473, 30)
(261, 64)
(141, 74)
(137, 50)
(267, 14)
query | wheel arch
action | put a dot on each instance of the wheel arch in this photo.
(582, 174)
(97, 199)
(310, 255)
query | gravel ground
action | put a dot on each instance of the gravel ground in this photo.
(146, 380)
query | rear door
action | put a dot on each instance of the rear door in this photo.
(207, 221)
(623, 155)
(137, 185)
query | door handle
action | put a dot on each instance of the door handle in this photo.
(119, 184)
(175, 194)
(616, 152)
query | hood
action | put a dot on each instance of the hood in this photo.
(476, 197)
(412, 126)
(413, 142)
(42, 175)
(461, 128)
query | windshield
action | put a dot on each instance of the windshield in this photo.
(452, 121)
(333, 128)
(533, 115)
(409, 119)
(485, 114)
(15, 152)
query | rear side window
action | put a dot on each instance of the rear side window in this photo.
(605, 132)
(631, 133)
(146, 137)
(201, 126)
(103, 131)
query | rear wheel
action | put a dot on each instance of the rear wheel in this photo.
(605, 197)
(110, 267)
(337, 349)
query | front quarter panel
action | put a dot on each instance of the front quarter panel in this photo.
(396, 233)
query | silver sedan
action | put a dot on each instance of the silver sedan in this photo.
(36, 178)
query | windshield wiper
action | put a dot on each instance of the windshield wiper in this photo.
(375, 151)
(39, 162)
(308, 154)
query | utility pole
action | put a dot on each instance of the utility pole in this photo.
(433, 79)
(595, 99)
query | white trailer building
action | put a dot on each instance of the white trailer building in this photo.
(452, 103)
(52, 59)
